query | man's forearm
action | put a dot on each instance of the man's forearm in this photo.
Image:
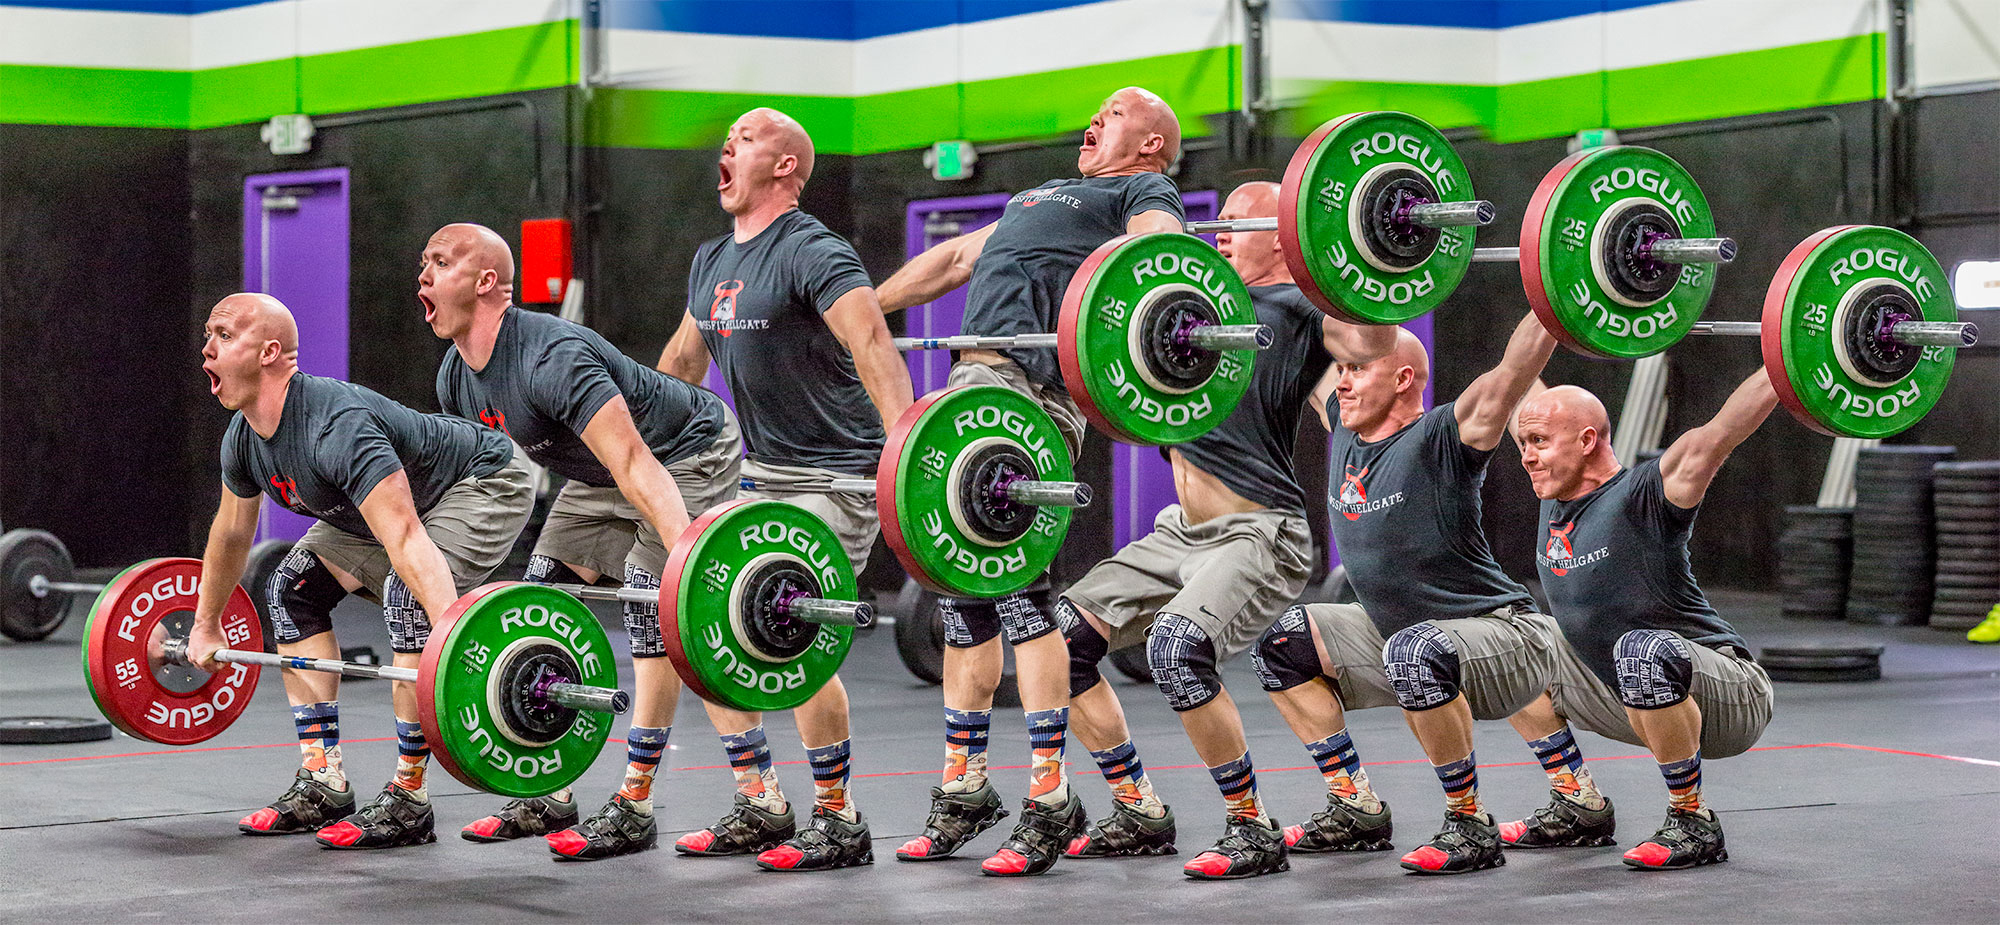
(927, 276)
(885, 376)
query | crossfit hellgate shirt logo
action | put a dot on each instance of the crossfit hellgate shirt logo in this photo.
(288, 493)
(1035, 197)
(722, 312)
(1559, 556)
(494, 418)
(1350, 498)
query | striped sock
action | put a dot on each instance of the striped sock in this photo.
(1047, 730)
(643, 747)
(750, 760)
(1562, 761)
(1461, 785)
(830, 777)
(413, 752)
(1237, 780)
(1340, 764)
(1684, 783)
(318, 725)
(965, 733)
(1127, 778)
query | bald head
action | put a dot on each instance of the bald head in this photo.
(1409, 351)
(260, 318)
(1134, 131)
(1568, 409)
(1256, 255)
(1158, 118)
(785, 136)
(480, 245)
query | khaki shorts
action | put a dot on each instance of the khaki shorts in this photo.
(598, 529)
(1506, 658)
(474, 524)
(1230, 575)
(851, 515)
(1734, 695)
(1069, 421)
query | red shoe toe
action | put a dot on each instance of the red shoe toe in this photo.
(1427, 857)
(261, 820)
(343, 834)
(1210, 863)
(1005, 861)
(918, 847)
(783, 857)
(567, 843)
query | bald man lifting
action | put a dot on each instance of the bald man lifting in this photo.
(788, 313)
(414, 510)
(1643, 658)
(1018, 268)
(1217, 568)
(1404, 501)
(643, 453)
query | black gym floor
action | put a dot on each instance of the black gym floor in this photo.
(1869, 802)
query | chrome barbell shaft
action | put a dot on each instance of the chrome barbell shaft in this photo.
(1429, 214)
(574, 696)
(1207, 336)
(40, 586)
(1691, 250)
(809, 609)
(1911, 333)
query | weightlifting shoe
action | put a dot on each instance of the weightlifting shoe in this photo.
(1248, 848)
(1038, 839)
(522, 818)
(1125, 833)
(1341, 826)
(1466, 843)
(307, 806)
(392, 820)
(618, 828)
(1687, 839)
(747, 829)
(1564, 823)
(829, 842)
(956, 818)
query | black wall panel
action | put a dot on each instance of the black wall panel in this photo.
(93, 280)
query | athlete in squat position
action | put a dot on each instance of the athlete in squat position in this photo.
(788, 313)
(1018, 268)
(1404, 501)
(1216, 570)
(414, 510)
(1643, 658)
(642, 452)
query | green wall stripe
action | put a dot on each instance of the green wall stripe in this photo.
(1034, 105)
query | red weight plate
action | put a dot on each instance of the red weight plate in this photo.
(670, 583)
(427, 673)
(1531, 250)
(1288, 217)
(1772, 336)
(885, 481)
(1068, 352)
(119, 656)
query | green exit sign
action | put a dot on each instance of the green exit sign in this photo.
(1594, 138)
(951, 160)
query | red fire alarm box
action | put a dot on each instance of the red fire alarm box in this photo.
(545, 261)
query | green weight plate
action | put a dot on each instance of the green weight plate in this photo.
(133, 687)
(1346, 249)
(1114, 332)
(719, 604)
(1821, 314)
(948, 533)
(1582, 275)
(483, 728)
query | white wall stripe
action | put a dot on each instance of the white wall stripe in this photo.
(89, 38)
(729, 63)
(1313, 50)
(1958, 42)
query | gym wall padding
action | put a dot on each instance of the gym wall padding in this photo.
(95, 358)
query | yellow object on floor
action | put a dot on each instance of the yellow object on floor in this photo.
(1987, 631)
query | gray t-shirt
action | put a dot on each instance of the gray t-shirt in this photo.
(336, 441)
(1042, 237)
(548, 377)
(1251, 450)
(758, 305)
(1616, 560)
(1404, 512)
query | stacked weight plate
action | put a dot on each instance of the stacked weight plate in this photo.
(1967, 507)
(1890, 575)
(1813, 561)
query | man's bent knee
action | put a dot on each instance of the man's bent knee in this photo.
(1422, 664)
(1183, 660)
(1087, 647)
(300, 596)
(1655, 669)
(1285, 656)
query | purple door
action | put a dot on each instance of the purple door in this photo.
(295, 248)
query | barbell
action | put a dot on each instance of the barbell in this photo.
(37, 580)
